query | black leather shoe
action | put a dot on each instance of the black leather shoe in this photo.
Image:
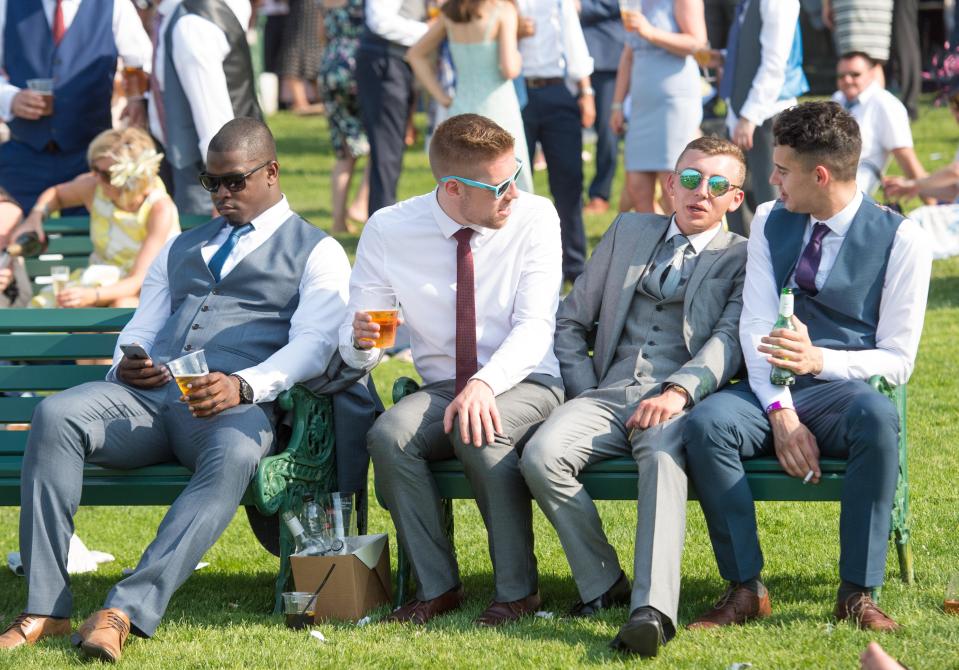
(618, 594)
(643, 634)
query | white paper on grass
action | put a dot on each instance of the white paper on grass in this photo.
(80, 560)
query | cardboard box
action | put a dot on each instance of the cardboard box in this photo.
(360, 580)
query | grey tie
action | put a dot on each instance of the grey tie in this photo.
(665, 277)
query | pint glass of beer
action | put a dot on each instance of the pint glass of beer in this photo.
(630, 8)
(187, 368)
(135, 80)
(381, 303)
(45, 88)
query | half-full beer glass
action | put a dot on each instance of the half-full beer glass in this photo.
(380, 302)
(630, 8)
(187, 368)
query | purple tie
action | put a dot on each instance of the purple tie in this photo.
(808, 264)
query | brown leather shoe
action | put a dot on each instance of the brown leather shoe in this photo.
(863, 611)
(28, 628)
(596, 206)
(499, 613)
(421, 611)
(103, 634)
(737, 605)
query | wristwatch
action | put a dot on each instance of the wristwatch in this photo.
(589, 90)
(246, 391)
(680, 389)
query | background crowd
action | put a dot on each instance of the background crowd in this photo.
(652, 73)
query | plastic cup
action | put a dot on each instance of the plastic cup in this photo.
(45, 88)
(381, 303)
(951, 601)
(187, 368)
(294, 608)
(135, 80)
(628, 8)
(60, 274)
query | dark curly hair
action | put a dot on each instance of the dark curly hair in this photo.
(821, 133)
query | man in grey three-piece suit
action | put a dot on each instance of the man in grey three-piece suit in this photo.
(662, 297)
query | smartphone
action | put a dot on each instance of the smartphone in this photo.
(134, 350)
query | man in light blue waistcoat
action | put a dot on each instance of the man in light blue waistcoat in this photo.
(860, 275)
(261, 292)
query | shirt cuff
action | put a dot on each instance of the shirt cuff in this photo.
(494, 378)
(767, 394)
(260, 383)
(833, 365)
(360, 359)
(7, 93)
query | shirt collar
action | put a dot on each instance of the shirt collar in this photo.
(698, 241)
(867, 94)
(166, 7)
(448, 226)
(840, 222)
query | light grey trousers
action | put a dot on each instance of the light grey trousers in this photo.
(592, 428)
(117, 426)
(408, 436)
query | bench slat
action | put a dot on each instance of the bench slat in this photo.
(40, 268)
(87, 319)
(80, 225)
(12, 443)
(48, 377)
(70, 245)
(56, 346)
(17, 410)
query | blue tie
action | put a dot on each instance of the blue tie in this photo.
(732, 44)
(219, 258)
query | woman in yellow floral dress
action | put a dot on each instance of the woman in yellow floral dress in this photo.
(131, 218)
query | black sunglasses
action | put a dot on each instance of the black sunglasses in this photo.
(691, 178)
(234, 182)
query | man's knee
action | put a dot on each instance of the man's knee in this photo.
(874, 417)
(381, 439)
(708, 427)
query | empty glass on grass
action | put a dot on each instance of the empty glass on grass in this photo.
(187, 368)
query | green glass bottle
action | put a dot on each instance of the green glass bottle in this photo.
(781, 376)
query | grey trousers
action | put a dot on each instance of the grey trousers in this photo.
(117, 426)
(592, 428)
(408, 436)
(188, 195)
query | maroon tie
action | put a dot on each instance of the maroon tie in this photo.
(466, 365)
(808, 264)
(59, 28)
(156, 95)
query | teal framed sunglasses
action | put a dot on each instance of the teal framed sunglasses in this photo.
(499, 190)
(691, 178)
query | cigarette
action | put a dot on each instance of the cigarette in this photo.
(807, 477)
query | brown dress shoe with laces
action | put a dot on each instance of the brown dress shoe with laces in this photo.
(28, 628)
(863, 611)
(103, 634)
(421, 611)
(737, 605)
(499, 613)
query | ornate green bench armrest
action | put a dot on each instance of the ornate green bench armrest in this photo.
(307, 465)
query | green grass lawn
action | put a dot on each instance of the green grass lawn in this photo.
(221, 617)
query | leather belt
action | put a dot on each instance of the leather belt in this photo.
(542, 82)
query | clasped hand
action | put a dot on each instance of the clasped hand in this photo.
(792, 349)
(209, 395)
(474, 411)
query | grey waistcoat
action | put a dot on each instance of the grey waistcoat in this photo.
(245, 318)
(182, 142)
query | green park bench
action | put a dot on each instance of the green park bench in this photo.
(41, 349)
(615, 479)
(70, 245)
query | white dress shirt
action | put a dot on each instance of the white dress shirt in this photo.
(383, 18)
(313, 337)
(518, 271)
(779, 21)
(697, 241)
(901, 308)
(884, 126)
(557, 48)
(131, 40)
(199, 49)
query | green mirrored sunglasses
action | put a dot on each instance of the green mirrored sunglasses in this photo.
(691, 178)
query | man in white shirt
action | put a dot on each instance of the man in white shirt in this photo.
(202, 78)
(762, 76)
(883, 121)
(261, 292)
(561, 102)
(76, 44)
(860, 274)
(476, 267)
(385, 84)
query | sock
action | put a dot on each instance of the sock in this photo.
(755, 585)
(847, 589)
